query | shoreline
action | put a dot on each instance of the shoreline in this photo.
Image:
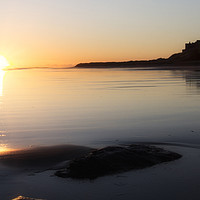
(135, 67)
(156, 67)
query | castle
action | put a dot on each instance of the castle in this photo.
(192, 47)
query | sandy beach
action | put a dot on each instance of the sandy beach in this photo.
(178, 179)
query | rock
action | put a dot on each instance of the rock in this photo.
(115, 159)
(25, 198)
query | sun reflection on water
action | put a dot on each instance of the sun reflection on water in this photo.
(4, 149)
(2, 73)
(21, 197)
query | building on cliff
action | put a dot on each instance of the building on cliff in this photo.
(192, 47)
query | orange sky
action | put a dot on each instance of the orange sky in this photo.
(63, 32)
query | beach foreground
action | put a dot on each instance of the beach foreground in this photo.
(174, 180)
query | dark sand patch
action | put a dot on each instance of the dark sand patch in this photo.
(43, 157)
(111, 160)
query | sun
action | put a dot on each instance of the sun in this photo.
(3, 62)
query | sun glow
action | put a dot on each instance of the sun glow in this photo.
(2, 73)
(3, 62)
(4, 150)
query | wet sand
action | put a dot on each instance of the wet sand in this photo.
(43, 157)
(179, 179)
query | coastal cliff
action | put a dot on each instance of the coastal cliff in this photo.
(190, 56)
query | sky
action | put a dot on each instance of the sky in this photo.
(37, 33)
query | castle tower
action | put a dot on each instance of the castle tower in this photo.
(195, 46)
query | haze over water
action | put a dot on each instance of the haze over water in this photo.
(98, 107)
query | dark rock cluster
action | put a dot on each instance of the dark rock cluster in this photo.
(115, 159)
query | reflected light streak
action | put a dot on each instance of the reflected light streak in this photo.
(21, 197)
(2, 73)
(4, 149)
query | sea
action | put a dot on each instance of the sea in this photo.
(98, 107)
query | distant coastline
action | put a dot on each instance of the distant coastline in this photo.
(190, 56)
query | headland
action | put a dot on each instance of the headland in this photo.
(190, 56)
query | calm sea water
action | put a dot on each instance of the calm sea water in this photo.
(95, 107)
